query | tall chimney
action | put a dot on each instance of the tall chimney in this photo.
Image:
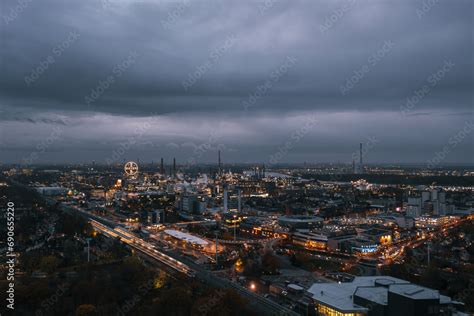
(219, 162)
(239, 200)
(174, 167)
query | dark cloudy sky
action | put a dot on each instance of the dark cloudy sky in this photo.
(292, 81)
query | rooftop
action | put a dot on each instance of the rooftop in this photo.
(300, 218)
(378, 295)
(340, 295)
(414, 291)
(186, 237)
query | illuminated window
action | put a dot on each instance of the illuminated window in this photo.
(327, 311)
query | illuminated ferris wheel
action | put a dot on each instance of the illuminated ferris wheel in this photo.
(131, 168)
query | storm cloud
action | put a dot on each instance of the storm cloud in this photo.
(250, 73)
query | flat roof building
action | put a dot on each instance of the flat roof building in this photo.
(186, 237)
(300, 221)
(379, 296)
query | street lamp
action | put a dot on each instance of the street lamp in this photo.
(88, 249)
(253, 286)
(217, 240)
(235, 227)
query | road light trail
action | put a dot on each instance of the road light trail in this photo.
(142, 246)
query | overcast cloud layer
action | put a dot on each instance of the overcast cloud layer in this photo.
(263, 81)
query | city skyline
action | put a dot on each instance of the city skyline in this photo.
(237, 157)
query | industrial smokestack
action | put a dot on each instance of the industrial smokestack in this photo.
(219, 162)
(174, 167)
(239, 200)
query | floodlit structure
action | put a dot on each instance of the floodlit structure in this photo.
(191, 239)
(131, 168)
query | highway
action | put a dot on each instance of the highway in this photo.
(184, 265)
(143, 247)
(396, 250)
